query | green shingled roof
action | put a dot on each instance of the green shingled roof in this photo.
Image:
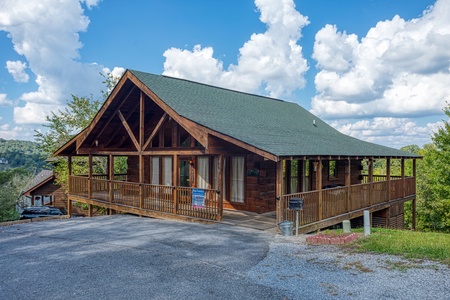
(278, 127)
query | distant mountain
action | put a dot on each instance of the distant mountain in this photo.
(26, 154)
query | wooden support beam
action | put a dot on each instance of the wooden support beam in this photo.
(318, 167)
(141, 120)
(348, 182)
(403, 176)
(278, 189)
(111, 177)
(69, 207)
(128, 129)
(90, 177)
(155, 131)
(220, 182)
(127, 116)
(141, 181)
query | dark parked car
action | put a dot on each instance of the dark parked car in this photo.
(41, 211)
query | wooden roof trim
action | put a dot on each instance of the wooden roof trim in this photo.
(80, 138)
(243, 145)
(194, 129)
(105, 106)
(39, 185)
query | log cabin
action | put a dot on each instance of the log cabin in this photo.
(197, 151)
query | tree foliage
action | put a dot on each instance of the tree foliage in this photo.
(433, 183)
(12, 184)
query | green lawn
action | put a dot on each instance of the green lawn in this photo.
(410, 244)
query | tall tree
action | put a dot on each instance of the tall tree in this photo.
(433, 184)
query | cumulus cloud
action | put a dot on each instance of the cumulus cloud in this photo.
(393, 132)
(400, 68)
(46, 33)
(17, 70)
(271, 61)
(8, 132)
(4, 100)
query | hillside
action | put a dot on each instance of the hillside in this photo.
(26, 154)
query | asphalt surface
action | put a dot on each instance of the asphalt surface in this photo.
(127, 257)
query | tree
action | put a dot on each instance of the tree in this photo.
(63, 125)
(433, 185)
(12, 184)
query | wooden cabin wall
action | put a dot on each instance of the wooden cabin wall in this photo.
(260, 181)
(49, 189)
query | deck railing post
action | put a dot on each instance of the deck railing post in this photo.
(348, 183)
(318, 169)
(175, 200)
(111, 178)
(90, 177)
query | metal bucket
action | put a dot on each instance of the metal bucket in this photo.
(286, 228)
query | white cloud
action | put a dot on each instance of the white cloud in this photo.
(4, 100)
(46, 33)
(17, 70)
(400, 68)
(272, 60)
(393, 132)
(8, 132)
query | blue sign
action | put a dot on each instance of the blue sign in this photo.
(198, 198)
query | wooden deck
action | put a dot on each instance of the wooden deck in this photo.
(321, 208)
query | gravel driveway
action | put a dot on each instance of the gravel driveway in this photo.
(127, 257)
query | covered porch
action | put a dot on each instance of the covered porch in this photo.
(325, 204)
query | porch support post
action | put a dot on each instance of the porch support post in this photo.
(388, 179)
(69, 187)
(111, 177)
(175, 183)
(141, 180)
(141, 148)
(318, 167)
(89, 210)
(403, 177)
(370, 179)
(348, 182)
(90, 177)
(281, 206)
(220, 187)
(287, 184)
(413, 225)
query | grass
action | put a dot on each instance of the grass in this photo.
(409, 244)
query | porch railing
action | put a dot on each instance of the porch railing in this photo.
(341, 200)
(161, 198)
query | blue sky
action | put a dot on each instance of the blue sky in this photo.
(378, 70)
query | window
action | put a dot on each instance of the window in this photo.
(237, 179)
(203, 172)
(332, 169)
(161, 174)
(155, 170)
(167, 170)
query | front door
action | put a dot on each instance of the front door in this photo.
(185, 168)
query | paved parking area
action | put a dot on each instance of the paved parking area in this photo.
(127, 257)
